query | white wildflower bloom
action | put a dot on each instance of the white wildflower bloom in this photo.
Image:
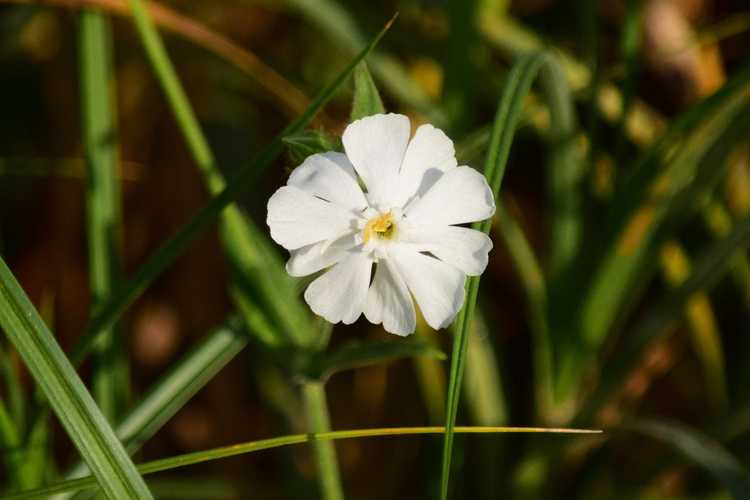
(405, 225)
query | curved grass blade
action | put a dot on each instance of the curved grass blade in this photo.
(108, 313)
(699, 448)
(71, 402)
(177, 387)
(517, 85)
(267, 444)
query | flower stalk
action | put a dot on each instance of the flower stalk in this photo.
(318, 420)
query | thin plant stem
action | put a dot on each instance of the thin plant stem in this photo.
(102, 197)
(234, 450)
(318, 420)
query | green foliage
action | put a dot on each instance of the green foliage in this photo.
(103, 200)
(176, 388)
(360, 354)
(309, 142)
(588, 333)
(517, 85)
(71, 402)
(366, 99)
(277, 442)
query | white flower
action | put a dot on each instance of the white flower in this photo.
(405, 223)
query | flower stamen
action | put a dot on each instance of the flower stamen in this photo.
(382, 227)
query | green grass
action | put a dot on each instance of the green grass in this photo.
(615, 296)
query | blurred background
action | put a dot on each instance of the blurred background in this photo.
(676, 405)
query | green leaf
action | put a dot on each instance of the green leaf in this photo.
(107, 313)
(177, 387)
(361, 354)
(71, 402)
(699, 448)
(309, 142)
(234, 450)
(517, 86)
(366, 100)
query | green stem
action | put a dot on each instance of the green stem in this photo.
(318, 421)
(103, 197)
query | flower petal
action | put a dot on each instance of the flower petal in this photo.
(389, 302)
(461, 195)
(460, 247)
(312, 258)
(429, 154)
(330, 176)
(376, 145)
(297, 218)
(438, 287)
(340, 293)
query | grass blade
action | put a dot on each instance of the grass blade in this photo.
(170, 250)
(534, 285)
(102, 198)
(277, 291)
(517, 85)
(366, 99)
(267, 444)
(177, 387)
(73, 405)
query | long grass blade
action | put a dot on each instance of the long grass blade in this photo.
(267, 444)
(71, 402)
(517, 85)
(102, 199)
(276, 288)
(109, 312)
(176, 388)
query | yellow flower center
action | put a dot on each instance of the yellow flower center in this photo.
(381, 226)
